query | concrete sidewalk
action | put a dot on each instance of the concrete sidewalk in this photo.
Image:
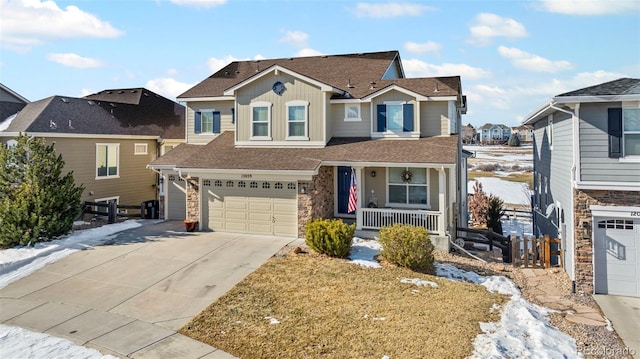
(624, 314)
(129, 297)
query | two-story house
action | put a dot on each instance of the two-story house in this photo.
(106, 139)
(587, 183)
(272, 144)
(489, 134)
(469, 134)
(524, 133)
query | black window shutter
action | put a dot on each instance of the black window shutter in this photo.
(216, 122)
(407, 117)
(615, 132)
(197, 126)
(382, 118)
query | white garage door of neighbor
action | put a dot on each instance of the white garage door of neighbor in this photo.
(617, 256)
(263, 207)
(176, 197)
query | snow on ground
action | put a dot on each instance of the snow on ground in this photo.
(524, 331)
(21, 343)
(19, 262)
(507, 191)
(363, 252)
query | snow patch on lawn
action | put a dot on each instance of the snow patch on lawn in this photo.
(507, 191)
(419, 282)
(363, 252)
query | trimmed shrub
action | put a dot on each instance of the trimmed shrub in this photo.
(330, 236)
(495, 211)
(407, 246)
(514, 140)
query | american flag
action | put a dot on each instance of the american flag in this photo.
(353, 198)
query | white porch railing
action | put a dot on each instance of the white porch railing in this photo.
(376, 218)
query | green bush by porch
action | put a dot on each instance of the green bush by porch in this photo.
(331, 237)
(407, 246)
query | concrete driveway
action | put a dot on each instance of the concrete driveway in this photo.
(127, 298)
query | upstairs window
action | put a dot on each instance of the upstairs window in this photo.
(107, 160)
(140, 149)
(261, 119)
(394, 117)
(352, 112)
(297, 119)
(631, 131)
(207, 121)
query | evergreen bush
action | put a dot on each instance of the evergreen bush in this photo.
(331, 237)
(495, 211)
(37, 202)
(514, 140)
(407, 246)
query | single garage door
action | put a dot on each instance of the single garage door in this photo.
(176, 197)
(617, 256)
(263, 207)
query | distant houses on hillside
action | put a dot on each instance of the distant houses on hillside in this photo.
(493, 134)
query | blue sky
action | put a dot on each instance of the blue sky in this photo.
(512, 55)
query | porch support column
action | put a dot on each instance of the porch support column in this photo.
(359, 191)
(442, 195)
(453, 197)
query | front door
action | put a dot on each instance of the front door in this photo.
(344, 182)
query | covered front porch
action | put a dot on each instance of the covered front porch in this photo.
(419, 195)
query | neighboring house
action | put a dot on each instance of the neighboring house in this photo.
(490, 134)
(468, 134)
(524, 132)
(271, 144)
(10, 104)
(587, 183)
(106, 139)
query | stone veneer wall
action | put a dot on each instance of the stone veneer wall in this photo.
(318, 199)
(193, 199)
(161, 207)
(583, 234)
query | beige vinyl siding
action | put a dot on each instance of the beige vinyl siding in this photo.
(296, 90)
(434, 119)
(135, 184)
(595, 164)
(329, 125)
(342, 128)
(224, 107)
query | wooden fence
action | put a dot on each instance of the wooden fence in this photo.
(517, 213)
(530, 252)
(111, 210)
(487, 237)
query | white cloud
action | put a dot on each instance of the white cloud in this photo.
(168, 87)
(591, 7)
(530, 62)
(28, 23)
(308, 52)
(418, 68)
(86, 92)
(489, 26)
(429, 46)
(199, 3)
(295, 38)
(493, 90)
(75, 60)
(390, 9)
(172, 72)
(216, 64)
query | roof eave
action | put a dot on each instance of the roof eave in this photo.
(602, 98)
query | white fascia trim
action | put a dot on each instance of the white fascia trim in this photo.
(347, 100)
(612, 186)
(15, 94)
(390, 164)
(615, 211)
(162, 167)
(279, 144)
(79, 135)
(605, 98)
(382, 91)
(204, 99)
(243, 174)
(323, 87)
(537, 114)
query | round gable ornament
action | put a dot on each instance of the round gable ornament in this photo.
(278, 88)
(406, 176)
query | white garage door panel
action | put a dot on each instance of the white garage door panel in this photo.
(267, 209)
(616, 257)
(176, 197)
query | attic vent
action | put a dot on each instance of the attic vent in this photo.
(91, 103)
(226, 73)
(373, 85)
(349, 85)
(324, 56)
(70, 126)
(120, 91)
(237, 71)
(146, 94)
(112, 104)
(52, 124)
(110, 92)
(134, 91)
(64, 100)
(437, 89)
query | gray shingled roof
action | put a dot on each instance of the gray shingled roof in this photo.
(221, 153)
(359, 75)
(622, 86)
(149, 114)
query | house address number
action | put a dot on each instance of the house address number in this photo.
(245, 176)
(635, 214)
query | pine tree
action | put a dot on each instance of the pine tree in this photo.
(37, 202)
(495, 211)
(514, 140)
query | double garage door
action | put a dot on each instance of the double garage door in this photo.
(261, 207)
(617, 256)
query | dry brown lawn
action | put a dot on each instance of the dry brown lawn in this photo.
(524, 177)
(332, 308)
